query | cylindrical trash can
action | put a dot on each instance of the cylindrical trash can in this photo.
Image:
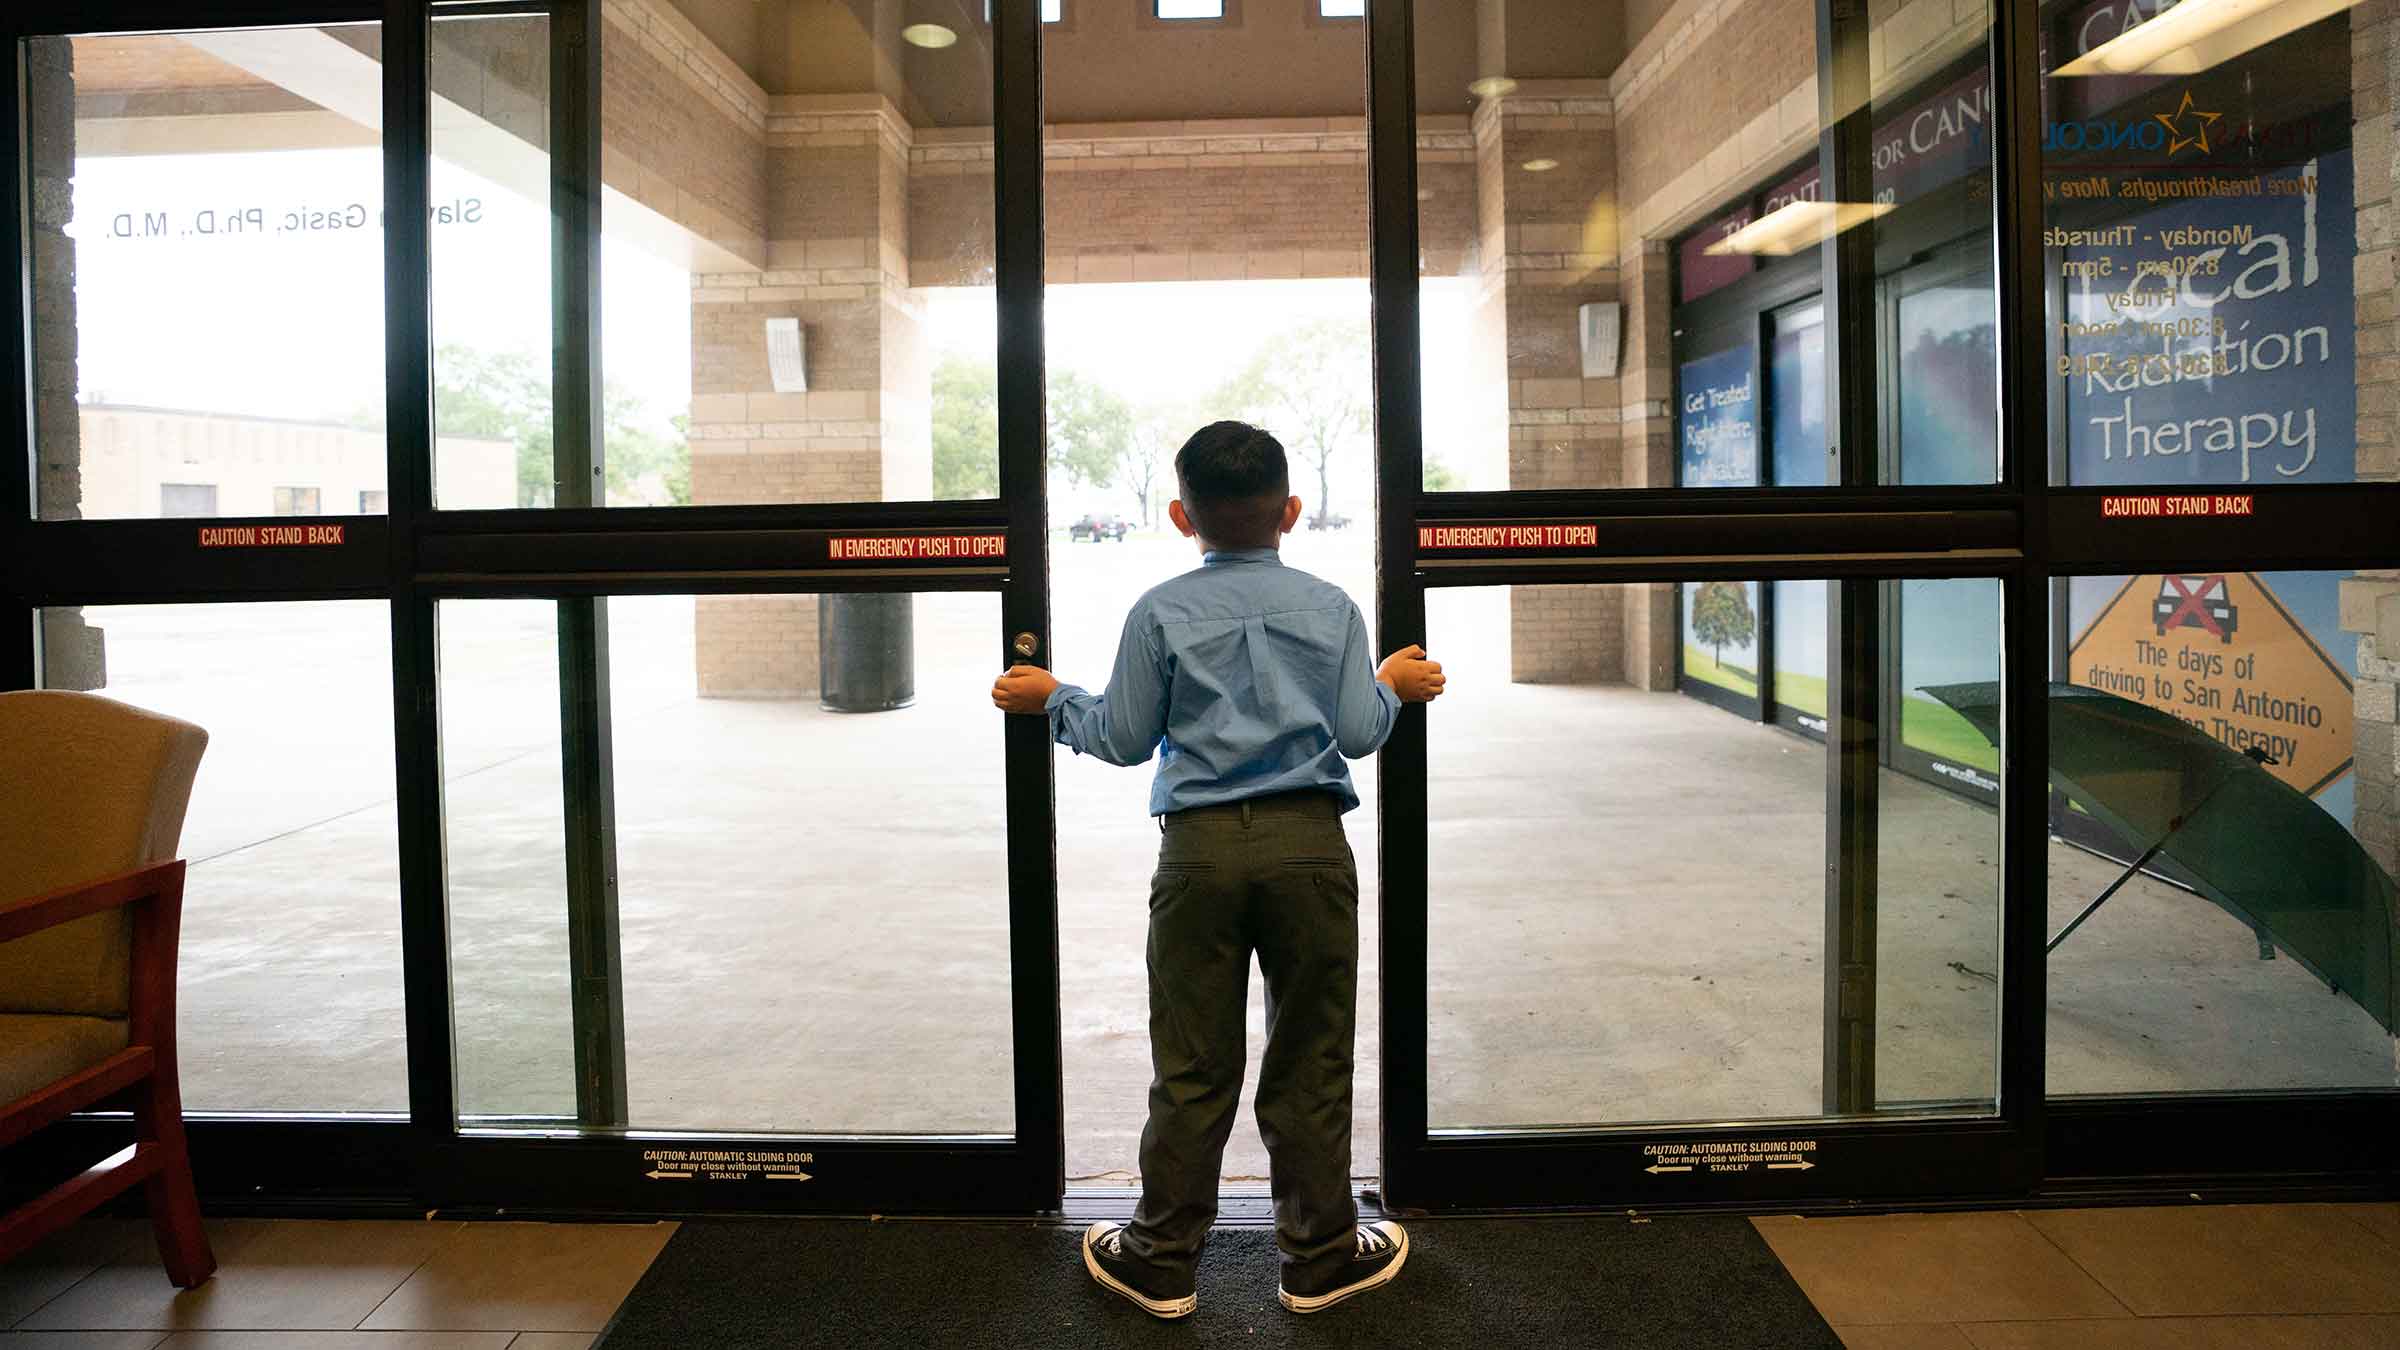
(866, 653)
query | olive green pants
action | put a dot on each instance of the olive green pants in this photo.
(1273, 876)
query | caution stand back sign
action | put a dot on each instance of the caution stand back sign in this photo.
(2220, 652)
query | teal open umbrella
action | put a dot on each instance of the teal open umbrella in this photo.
(2252, 843)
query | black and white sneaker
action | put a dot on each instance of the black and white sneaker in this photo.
(1382, 1248)
(1105, 1256)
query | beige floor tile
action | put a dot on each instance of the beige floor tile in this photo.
(2216, 1260)
(64, 1258)
(337, 1341)
(525, 1277)
(80, 1339)
(1932, 1268)
(2383, 1220)
(1905, 1336)
(282, 1275)
(2191, 1333)
(552, 1340)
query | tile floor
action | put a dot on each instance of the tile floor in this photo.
(2213, 1277)
(2233, 1277)
(318, 1285)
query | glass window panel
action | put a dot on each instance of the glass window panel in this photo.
(1190, 9)
(2218, 289)
(504, 839)
(1796, 398)
(797, 297)
(1342, 9)
(490, 192)
(207, 270)
(812, 886)
(288, 993)
(1596, 232)
(1949, 403)
(2254, 951)
(1676, 973)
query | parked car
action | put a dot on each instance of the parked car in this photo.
(1097, 528)
(1325, 520)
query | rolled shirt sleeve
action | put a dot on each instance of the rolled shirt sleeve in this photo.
(1367, 709)
(1124, 725)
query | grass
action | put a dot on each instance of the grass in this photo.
(1924, 724)
(1804, 693)
(1938, 731)
(1700, 665)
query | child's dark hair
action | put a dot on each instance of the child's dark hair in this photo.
(1234, 482)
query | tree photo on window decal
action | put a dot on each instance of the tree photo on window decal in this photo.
(1722, 617)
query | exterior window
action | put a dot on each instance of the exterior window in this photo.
(373, 501)
(1342, 9)
(1190, 9)
(187, 499)
(298, 501)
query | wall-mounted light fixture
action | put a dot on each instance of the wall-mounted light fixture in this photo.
(787, 355)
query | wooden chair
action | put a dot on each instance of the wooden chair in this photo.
(92, 796)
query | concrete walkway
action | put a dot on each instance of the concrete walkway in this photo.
(1626, 912)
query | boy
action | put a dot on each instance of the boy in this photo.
(1251, 681)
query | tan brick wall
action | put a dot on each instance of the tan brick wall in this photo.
(72, 655)
(1184, 201)
(2371, 601)
(1546, 246)
(838, 192)
(682, 127)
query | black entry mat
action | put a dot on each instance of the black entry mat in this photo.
(1485, 1283)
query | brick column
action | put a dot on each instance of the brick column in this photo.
(2370, 604)
(1547, 215)
(72, 654)
(837, 260)
(1646, 445)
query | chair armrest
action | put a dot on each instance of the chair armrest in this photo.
(21, 918)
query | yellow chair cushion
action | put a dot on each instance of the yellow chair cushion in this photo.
(37, 1050)
(89, 788)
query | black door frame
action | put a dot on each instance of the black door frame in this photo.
(2022, 530)
(2018, 530)
(416, 556)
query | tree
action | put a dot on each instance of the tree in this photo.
(1310, 386)
(506, 396)
(1721, 614)
(1439, 476)
(1091, 430)
(1158, 431)
(966, 430)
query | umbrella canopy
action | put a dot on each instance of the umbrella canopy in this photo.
(2256, 845)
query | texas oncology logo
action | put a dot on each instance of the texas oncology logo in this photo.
(2170, 134)
(2187, 127)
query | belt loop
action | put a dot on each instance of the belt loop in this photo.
(1245, 813)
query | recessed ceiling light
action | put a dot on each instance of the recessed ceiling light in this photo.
(928, 35)
(1540, 165)
(1492, 86)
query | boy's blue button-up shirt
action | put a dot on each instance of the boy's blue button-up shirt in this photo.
(1247, 677)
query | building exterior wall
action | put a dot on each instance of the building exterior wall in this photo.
(131, 454)
(2370, 603)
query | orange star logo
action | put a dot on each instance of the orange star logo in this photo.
(2175, 122)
